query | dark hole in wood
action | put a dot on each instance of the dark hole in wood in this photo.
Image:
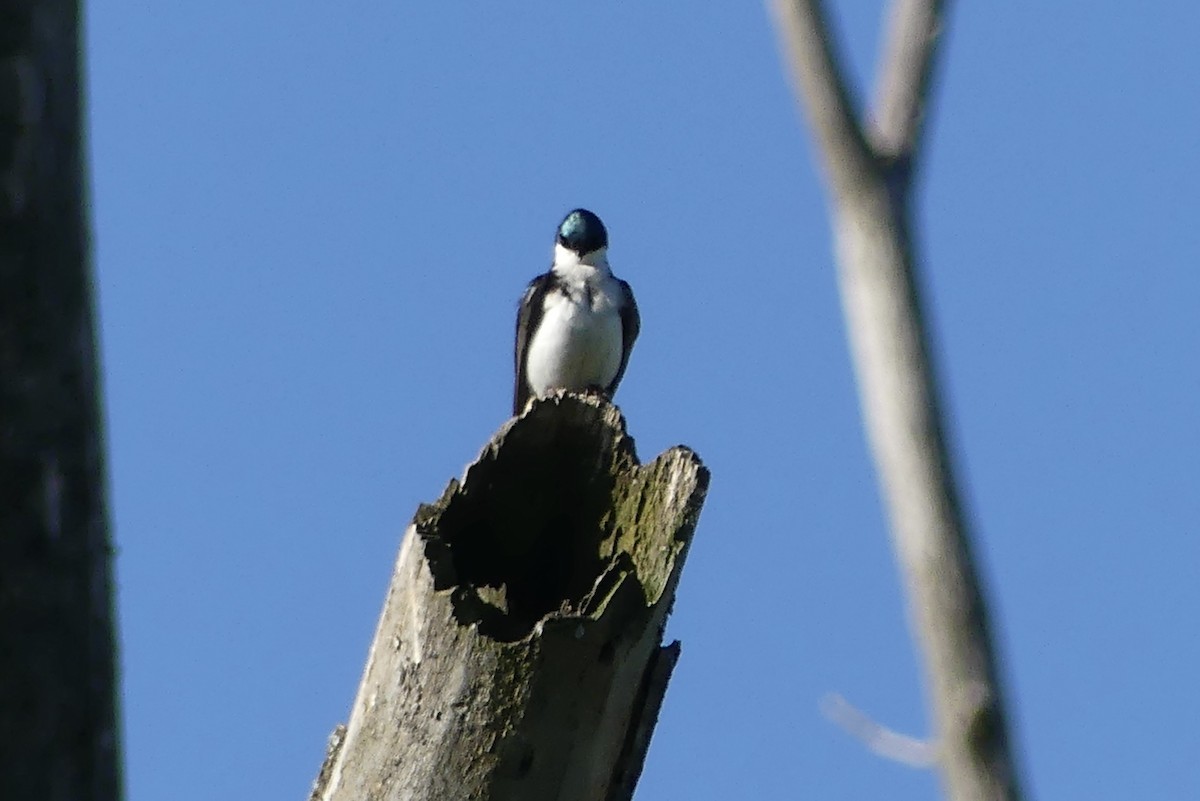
(529, 518)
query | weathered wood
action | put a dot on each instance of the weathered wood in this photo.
(58, 729)
(518, 655)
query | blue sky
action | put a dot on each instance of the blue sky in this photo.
(312, 224)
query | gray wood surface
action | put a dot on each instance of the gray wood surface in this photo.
(519, 653)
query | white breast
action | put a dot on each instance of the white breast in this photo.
(578, 344)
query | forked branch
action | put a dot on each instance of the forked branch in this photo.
(870, 180)
(852, 152)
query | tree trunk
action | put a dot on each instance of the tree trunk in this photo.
(58, 728)
(518, 655)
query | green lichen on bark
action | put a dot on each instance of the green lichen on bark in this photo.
(519, 653)
(575, 532)
(651, 494)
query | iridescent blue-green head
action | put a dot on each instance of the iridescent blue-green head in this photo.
(582, 232)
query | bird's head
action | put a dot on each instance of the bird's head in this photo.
(582, 233)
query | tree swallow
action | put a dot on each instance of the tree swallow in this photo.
(577, 323)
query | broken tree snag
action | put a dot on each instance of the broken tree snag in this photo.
(519, 653)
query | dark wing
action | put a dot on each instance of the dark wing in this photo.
(529, 315)
(631, 324)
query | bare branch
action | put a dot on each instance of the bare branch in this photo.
(898, 387)
(882, 741)
(906, 70)
(820, 86)
(930, 531)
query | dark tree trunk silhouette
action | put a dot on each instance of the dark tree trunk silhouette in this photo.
(58, 721)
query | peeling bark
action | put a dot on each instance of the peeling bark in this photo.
(519, 655)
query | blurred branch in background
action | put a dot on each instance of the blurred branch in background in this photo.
(870, 175)
(58, 721)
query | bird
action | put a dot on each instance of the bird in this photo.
(577, 322)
